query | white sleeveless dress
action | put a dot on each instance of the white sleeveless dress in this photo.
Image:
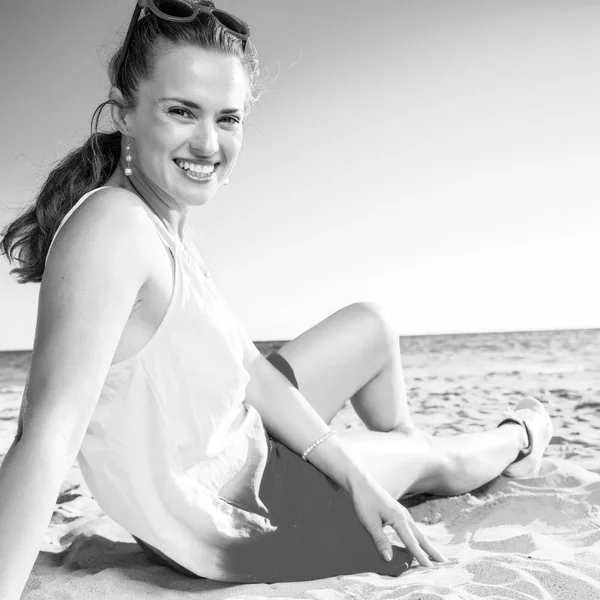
(172, 453)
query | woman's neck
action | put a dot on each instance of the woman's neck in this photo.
(162, 204)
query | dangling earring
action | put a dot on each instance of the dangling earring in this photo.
(226, 181)
(128, 170)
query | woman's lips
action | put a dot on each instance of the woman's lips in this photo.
(196, 171)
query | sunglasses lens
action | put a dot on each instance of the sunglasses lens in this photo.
(174, 8)
(230, 22)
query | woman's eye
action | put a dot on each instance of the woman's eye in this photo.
(181, 112)
(231, 120)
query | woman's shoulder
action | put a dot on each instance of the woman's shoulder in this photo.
(111, 203)
(113, 211)
(107, 222)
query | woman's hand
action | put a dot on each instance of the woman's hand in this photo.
(376, 509)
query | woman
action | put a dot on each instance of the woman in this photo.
(185, 434)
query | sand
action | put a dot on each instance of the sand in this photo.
(535, 538)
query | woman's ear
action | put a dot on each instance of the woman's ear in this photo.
(118, 110)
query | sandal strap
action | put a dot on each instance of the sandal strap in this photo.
(523, 453)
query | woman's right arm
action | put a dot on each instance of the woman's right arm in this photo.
(96, 267)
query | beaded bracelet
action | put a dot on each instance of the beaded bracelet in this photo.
(313, 446)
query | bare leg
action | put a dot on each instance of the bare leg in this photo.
(352, 354)
(355, 354)
(416, 462)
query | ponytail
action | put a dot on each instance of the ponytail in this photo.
(28, 238)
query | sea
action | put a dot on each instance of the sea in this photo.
(457, 384)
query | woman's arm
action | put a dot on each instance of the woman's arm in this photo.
(290, 418)
(287, 414)
(90, 284)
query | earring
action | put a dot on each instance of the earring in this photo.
(226, 181)
(128, 170)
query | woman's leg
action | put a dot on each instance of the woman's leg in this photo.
(355, 354)
(416, 462)
(352, 354)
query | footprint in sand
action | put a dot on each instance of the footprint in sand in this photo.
(505, 538)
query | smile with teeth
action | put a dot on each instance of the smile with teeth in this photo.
(195, 171)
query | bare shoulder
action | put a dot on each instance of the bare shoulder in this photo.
(109, 205)
(112, 225)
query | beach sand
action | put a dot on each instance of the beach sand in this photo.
(535, 538)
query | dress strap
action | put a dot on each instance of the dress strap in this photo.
(161, 230)
(71, 211)
(166, 238)
(187, 250)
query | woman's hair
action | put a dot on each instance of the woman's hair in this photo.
(28, 238)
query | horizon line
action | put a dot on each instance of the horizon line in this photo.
(407, 335)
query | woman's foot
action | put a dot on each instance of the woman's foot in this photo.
(531, 414)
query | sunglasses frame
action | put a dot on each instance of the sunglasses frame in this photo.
(196, 10)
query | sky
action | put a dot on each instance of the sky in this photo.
(438, 157)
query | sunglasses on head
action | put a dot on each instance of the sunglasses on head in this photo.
(185, 11)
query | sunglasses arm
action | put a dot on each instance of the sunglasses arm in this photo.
(132, 23)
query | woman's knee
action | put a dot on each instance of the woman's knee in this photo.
(380, 319)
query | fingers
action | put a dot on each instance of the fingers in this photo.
(425, 543)
(405, 532)
(395, 515)
(415, 540)
(382, 543)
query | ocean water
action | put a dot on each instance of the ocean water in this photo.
(551, 352)
(459, 383)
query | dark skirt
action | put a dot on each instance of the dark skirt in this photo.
(318, 533)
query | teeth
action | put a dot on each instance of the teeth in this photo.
(189, 166)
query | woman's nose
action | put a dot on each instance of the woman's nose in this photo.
(205, 140)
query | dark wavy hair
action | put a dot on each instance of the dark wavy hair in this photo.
(27, 239)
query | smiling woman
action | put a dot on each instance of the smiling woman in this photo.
(186, 124)
(219, 462)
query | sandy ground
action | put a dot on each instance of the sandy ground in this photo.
(536, 538)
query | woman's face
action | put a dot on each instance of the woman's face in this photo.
(186, 130)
